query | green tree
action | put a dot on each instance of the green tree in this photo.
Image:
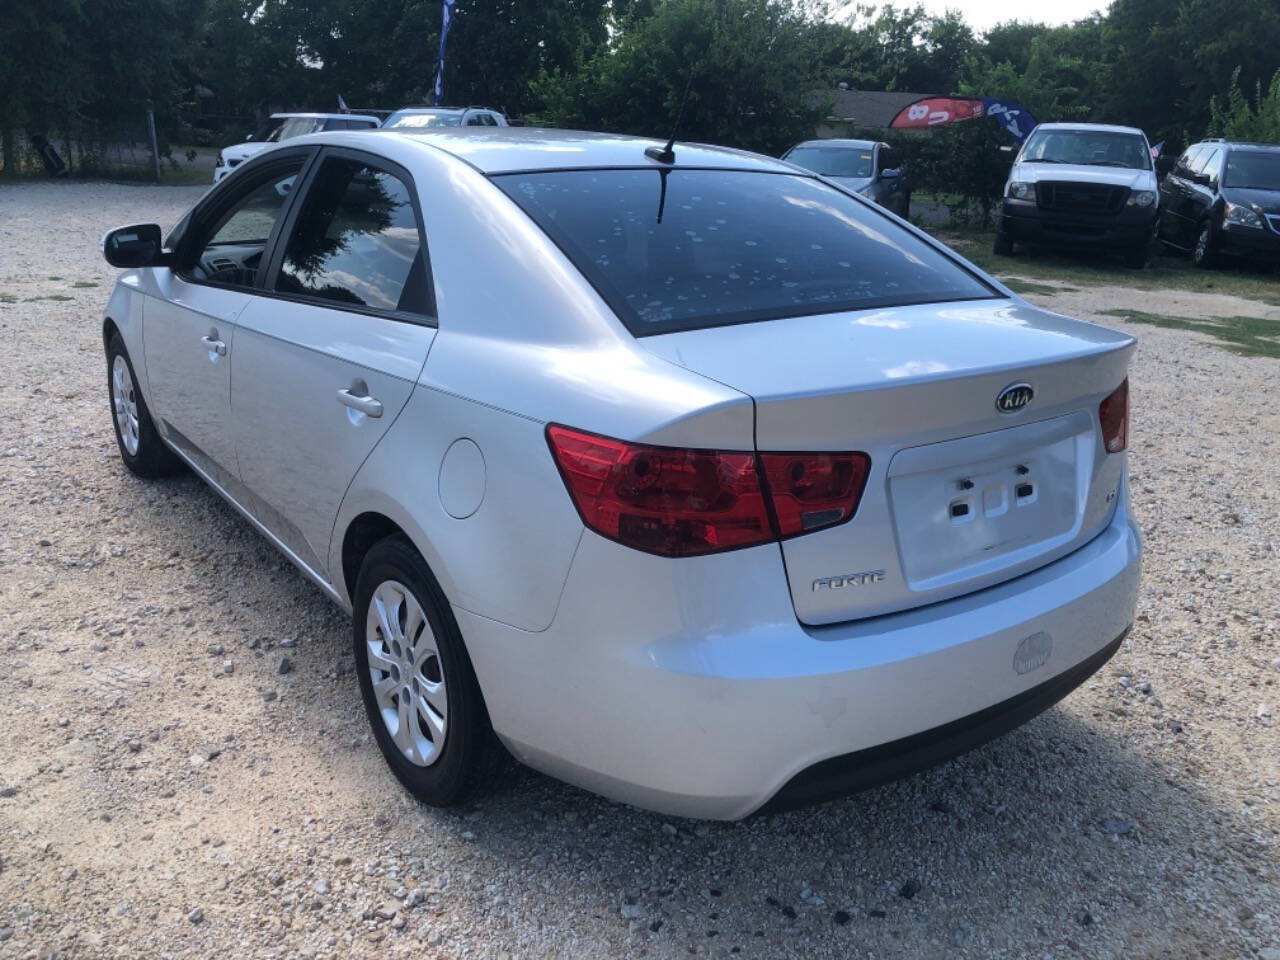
(1239, 119)
(77, 70)
(754, 83)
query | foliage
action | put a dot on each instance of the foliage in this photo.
(76, 68)
(752, 88)
(1238, 119)
(83, 69)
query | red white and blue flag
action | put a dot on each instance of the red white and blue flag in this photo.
(943, 111)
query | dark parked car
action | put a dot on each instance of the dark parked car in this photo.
(1223, 198)
(863, 166)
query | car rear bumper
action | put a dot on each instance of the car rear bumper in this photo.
(1027, 223)
(690, 688)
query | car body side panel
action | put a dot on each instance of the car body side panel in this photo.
(191, 381)
(299, 446)
(510, 356)
(505, 553)
(124, 309)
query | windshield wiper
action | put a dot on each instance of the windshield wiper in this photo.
(1045, 160)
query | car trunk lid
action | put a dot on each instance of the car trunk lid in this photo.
(960, 495)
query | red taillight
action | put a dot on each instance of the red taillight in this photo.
(814, 490)
(680, 503)
(1113, 414)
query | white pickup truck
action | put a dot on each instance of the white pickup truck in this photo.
(1081, 185)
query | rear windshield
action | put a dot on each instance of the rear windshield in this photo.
(1259, 169)
(727, 247)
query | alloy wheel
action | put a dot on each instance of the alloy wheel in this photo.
(407, 673)
(1202, 246)
(124, 403)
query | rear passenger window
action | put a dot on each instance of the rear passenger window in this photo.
(1202, 160)
(1183, 168)
(356, 241)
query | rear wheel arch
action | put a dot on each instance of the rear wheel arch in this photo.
(361, 534)
(375, 524)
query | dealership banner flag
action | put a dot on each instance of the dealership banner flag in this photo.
(446, 18)
(943, 111)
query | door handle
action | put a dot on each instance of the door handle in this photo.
(365, 404)
(214, 344)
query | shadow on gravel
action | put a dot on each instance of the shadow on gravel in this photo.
(1059, 837)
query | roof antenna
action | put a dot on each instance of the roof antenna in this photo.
(666, 154)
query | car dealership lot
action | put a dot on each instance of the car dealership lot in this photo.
(185, 766)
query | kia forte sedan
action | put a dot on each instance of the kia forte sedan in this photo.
(680, 474)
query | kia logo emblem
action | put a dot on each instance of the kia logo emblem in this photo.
(1014, 397)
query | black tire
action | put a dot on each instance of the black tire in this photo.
(1205, 253)
(1002, 246)
(471, 756)
(152, 458)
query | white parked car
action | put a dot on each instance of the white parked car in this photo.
(286, 126)
(1081, 186)
(688, 477)
(423, 118)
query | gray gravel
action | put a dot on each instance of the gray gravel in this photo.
(169, 787)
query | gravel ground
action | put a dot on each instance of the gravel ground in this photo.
(169, 787)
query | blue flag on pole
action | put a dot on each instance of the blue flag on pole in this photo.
(1017, 120)
(446, 18)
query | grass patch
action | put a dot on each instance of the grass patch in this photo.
(8, 298)
(1018, 285)
(1088, 269)
(55, 278)
(1247, 336)
(187, 175)
(59, 297)
(83, 284)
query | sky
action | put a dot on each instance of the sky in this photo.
(982, 14)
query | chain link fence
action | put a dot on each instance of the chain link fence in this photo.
(128, 150)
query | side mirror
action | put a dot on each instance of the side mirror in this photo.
(1200, 178)
(889, 174)
(139, 245)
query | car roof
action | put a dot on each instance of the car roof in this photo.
(839, 142)
(426, 109)
(493, 150)
(1246, 144)
(1102, 127)
(325, 116)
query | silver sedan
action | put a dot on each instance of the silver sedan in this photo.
(680, 474)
